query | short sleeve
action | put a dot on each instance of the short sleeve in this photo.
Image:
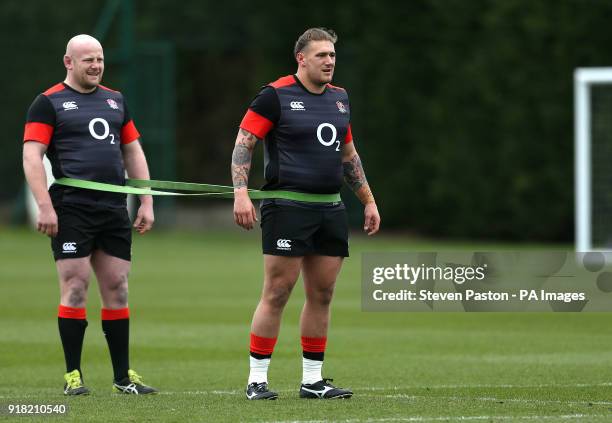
(40, 121)
(129, 133)
(263, 113)
(348, 138)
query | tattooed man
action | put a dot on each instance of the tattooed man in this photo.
(305, 124)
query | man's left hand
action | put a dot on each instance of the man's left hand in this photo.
(144, 218)
(372, 218)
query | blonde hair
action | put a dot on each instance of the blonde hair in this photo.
(314, 34)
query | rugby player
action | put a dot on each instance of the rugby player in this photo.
(304, 121)
(86, 131)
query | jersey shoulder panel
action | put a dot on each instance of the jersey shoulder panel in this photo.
(285, 81)
(55, 89)
(108, 89)
(335, 88)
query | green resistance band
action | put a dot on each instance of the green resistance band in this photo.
(144, 187)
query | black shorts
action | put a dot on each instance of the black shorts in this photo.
(84, 228)
(296, 231)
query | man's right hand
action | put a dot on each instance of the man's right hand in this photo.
(47, 220)
(244, 211)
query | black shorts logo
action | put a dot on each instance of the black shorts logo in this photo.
(283, 244)
(69, 248)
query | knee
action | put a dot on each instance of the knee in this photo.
(321, 296)
(118, 282)
(277, 296)
(118, 288)
(75, 291)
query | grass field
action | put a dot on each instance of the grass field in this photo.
(191, 299)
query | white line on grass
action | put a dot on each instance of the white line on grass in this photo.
(377, 388)
(408, 396)
(408, 387)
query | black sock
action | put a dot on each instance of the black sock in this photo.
(117, 334)
(319, 356)
(72, 333)
(259, 356)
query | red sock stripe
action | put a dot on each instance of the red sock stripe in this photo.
(121, 313)
(313, 344)
(261, 345)
(66, 312)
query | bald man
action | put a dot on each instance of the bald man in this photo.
(86, 131)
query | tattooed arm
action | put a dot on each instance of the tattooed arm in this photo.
(244, 211)
(356, 179)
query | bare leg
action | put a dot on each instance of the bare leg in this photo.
(320, 273)
(280, 275)
(112, 274)
(74, 277)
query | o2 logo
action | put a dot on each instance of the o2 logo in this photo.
(94, 127)
(330, 141)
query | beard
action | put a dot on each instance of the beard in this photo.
(89, 83)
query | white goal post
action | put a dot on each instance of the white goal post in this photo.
(585, 185)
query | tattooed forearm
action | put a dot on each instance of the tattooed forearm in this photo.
(356, 179)
(241, 158)
(353, 173)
